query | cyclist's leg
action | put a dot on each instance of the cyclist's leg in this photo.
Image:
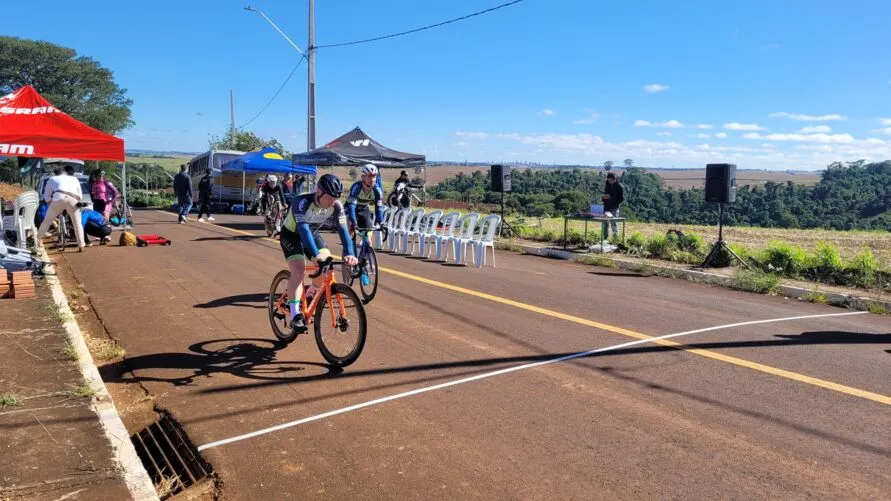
(320, 244)
(293, 251)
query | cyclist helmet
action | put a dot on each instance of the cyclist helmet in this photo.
(273, 179)
(330, 185)
(369, 170)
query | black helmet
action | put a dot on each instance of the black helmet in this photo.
(331, 185)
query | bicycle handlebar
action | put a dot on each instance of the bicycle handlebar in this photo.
(323, 266)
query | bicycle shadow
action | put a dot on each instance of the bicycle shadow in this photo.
(256, 300)
(246, 358)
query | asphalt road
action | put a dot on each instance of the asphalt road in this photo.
(790, 409)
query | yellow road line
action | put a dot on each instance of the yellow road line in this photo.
(794, 376)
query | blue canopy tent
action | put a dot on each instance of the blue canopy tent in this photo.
(264, 160)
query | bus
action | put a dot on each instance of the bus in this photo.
(226, 186)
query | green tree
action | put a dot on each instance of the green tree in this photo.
(608, 164)
(77, 85)
(628, 162)
(246, 141)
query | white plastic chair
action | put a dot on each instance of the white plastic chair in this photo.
(443, 235)
(412, 229)
(377, 238)
(428, 228)
(463, 236)
(25, 209)
(400, 219)
(488, 226)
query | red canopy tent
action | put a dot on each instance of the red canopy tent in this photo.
(30, 126)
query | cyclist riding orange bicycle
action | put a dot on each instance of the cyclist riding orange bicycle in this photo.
(362, 194)
(299, 240)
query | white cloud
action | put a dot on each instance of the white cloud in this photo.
(472, 135)
(655, 88)
(739, 126)
(807, 118)
(808, 138)
(703, 126)
(885, 121)
(721, 135)
(703, 136)
(664, 133)
(547, 112)
(591, 119)
(587, 148)
(886, 131)
(671, 124)
(815, 129)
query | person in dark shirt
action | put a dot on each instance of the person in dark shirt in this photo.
(182, 187)
(612, 197)
(205, 191)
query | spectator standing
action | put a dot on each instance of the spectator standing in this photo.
(205, 191)
(182, 187)
(613, 195)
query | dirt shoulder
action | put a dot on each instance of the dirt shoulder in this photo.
(52, 442)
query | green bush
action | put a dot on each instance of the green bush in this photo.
(753, 280)
(864, 267)
(824, 263)
(657, 245)
(783, 258)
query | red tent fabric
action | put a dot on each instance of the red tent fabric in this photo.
(30, 126)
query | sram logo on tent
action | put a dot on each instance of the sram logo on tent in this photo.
(360, 142)
(6, 110)
(16, 149)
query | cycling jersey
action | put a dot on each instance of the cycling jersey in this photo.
(361, 199)
(301, 226)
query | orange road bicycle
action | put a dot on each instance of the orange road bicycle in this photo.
(340, 333)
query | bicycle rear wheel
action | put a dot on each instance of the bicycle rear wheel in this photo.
(279, 309)
(342, 343)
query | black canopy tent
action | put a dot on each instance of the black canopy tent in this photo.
(356, 148)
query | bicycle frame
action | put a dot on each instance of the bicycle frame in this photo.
(308, 310)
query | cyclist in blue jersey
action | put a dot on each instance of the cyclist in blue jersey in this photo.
(300, 238)
(362, 195)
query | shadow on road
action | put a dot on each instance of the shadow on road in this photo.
(245, 358)
(234, 238)
(256, 300)
(255, 226)
(619, 274)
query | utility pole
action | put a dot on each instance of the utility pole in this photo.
(311, 82)
(232, 109)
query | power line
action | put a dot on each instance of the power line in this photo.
(508, 4)
(274, 95)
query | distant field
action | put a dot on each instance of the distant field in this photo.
(171, 164)
(693, 178)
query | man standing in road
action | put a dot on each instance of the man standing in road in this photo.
(182, 187)
(63, 194)
(613, 195)
(205, 191)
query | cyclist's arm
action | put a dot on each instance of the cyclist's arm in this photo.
(352, 202)
(342, 230)
(378, 205)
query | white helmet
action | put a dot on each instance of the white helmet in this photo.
(273, 179)
(369, 169)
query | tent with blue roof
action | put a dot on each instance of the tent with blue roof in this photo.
(266, 160)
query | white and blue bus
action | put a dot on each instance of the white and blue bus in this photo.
(226, 186)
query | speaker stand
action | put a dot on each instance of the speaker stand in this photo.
(720, 245)
(506, 230)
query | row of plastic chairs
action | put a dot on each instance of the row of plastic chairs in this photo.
(24, 209)
(429, 231)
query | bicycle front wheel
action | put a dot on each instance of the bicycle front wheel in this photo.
(341, 336)
(368, 278)
(279, 309)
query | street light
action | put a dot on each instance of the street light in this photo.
(310, 72)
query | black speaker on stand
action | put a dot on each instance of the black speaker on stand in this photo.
(500, 175)
(720, 188)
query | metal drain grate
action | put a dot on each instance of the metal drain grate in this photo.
(169, 457)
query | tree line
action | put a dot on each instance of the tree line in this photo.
(853, 195)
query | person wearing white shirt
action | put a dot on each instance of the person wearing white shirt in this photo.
(63, 194)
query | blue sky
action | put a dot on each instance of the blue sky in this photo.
(775, 85)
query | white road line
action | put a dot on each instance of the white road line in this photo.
(505, 371)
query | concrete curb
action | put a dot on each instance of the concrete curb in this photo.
(835, 299)
(135, 476)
